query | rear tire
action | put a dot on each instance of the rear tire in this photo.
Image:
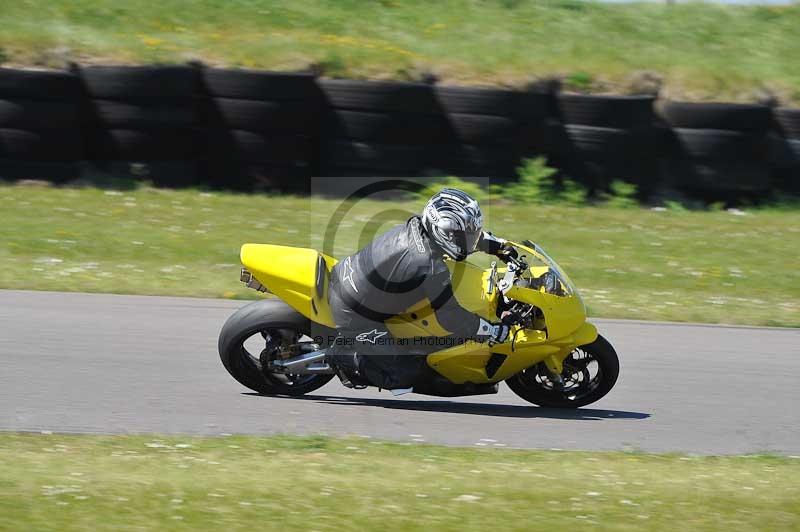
(245, 367)
(528, 386)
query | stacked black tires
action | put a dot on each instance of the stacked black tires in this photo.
(40, 130)
(141, 120)
(258, 130)
(785, 150)
(262, 128)
(412, 129)
(717, 150)
(493, 130)
(598, 139)
(378, 129)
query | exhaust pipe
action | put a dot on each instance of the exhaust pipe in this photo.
(247, 278)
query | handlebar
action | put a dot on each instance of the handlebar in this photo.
(516, 267)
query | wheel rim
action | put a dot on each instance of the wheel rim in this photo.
(582, 375)
(276, 344)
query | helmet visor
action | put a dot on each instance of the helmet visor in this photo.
(467, 241)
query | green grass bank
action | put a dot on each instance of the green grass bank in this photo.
(72, 483)
(701, 50)
(734, 267)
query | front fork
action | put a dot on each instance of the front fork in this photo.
(555, 363)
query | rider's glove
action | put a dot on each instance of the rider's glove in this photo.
(498, 247)
(508, 253)
(493, 332)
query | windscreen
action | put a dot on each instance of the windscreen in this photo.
(547, 276)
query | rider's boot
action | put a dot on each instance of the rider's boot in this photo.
(346, 367)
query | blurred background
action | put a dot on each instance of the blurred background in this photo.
(687, 101)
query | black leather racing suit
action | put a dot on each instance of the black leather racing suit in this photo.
(394, 272)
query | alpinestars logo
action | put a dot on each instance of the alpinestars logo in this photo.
(349, 272)
(371, 336)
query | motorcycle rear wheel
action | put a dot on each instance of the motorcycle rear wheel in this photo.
(590, 372)
(274, 321)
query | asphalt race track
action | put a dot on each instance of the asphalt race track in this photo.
(121, 364)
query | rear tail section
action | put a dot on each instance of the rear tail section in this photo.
(298, 276)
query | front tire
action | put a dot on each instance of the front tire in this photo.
(268, 318)
(590, 372)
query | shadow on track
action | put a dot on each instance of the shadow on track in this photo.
(475, 409)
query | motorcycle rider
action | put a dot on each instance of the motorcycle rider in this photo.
(397, 271)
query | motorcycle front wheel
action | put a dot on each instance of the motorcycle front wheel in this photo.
(590, 372)
(260, 332)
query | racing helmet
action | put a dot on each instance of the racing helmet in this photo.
(454, 223)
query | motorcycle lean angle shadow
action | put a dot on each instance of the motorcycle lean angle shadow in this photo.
(553, 358)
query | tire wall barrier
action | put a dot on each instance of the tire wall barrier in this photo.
(40, 128)
(142, 114)
(244, 129)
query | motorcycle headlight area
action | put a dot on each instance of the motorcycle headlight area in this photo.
(550, 283)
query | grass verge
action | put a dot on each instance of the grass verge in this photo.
(714, 267)
(289, 483)
(701, 50)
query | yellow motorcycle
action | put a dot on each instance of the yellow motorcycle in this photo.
(553, 358)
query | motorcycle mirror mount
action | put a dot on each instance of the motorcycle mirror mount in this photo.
(492, 279)
(507, 281)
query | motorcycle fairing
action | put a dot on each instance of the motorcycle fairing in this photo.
(565, 327)
(467, 363)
